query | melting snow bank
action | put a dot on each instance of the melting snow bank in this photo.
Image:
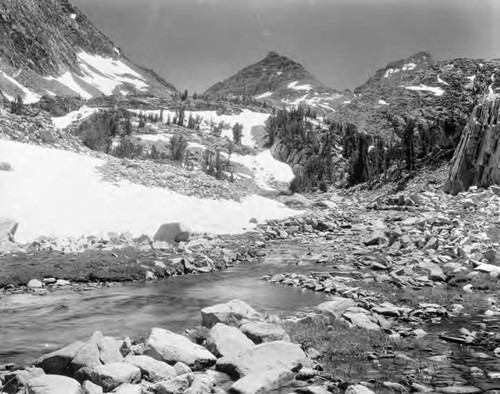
(61, 122)
(435, 90)
(59, 193)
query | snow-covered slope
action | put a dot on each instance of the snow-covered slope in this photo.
(50, 48)
(59, 193)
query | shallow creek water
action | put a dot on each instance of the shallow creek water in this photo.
(32, 325)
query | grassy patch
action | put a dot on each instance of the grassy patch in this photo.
(337, 341)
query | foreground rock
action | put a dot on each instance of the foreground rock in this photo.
(53, 384)
(170, 347)
(260, 332)
(152, 369)
(229, 313)
(262, 358)
(110, 376)
(172, 232)
(227, 341)
(96, 351)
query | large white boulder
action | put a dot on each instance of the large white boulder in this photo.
(53, 384)
(335, 307)
(225, 340)
(263, 357)
(262, 382)
(230, 313)
(164, 345)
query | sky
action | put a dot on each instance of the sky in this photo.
(196, 43)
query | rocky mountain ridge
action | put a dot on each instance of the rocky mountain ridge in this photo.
(49, 47)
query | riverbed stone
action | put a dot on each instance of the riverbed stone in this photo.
(129, 388)
(335, 307)
(459, 390)
(226, 340)
(361, 320)
(229, 313)
(91, 388)
(358, 389)
(263, 357)
(34, 284)
(172, 232)
(181, 368)
(176, 385)
(167, 346)
(53, 384)
(57, 362)
(112, 375)
(153, 370)
(262, 382)
(260, 332)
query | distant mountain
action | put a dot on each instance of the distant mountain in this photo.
(49, 47)
(280, 81)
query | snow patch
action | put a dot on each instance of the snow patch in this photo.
(441, 81)
(106, 73)
(69, 81)
(471, 78)
(391, 71)
(435, 90)
(61, 122)
(77, 202)
(264, 95)
(409, 67)
(29, 96)
(347, 102)
(293, 85)
(383, 102)
(265, 168)
(73, 16)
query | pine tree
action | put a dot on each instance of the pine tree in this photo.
(237, 133)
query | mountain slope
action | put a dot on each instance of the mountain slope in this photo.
(50, 47)
(279, 81)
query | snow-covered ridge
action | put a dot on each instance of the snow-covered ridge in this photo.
(293, 85)
(27, 95)
(76, 201)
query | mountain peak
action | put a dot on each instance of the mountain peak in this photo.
(278, 80)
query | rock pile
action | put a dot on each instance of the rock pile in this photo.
(241, 352)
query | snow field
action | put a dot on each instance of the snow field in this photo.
(59, 193)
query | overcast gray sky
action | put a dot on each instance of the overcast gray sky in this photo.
(195, 43)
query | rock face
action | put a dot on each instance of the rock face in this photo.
(172, 232)
(171, 348)
(229, 313)
(54, 39)
(262, 358)
(477, 157)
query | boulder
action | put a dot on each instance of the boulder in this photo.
(181, 368)
(53, 384)
(361, 320)
(153, 370)
(335, 307)
(229, 313)
(261, 358)
(4, 166)
(96, 351)
(177, 385)
(18, 379)
(434, 271)
(34, 284)
(129, 388)
(260, 332)
(263, 382)
(167, 346)
(225, 340)
(358, 389)
(110, 376)
(91, 388)
(172, 232)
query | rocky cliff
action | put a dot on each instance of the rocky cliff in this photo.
(477, 157)
(49, 47)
